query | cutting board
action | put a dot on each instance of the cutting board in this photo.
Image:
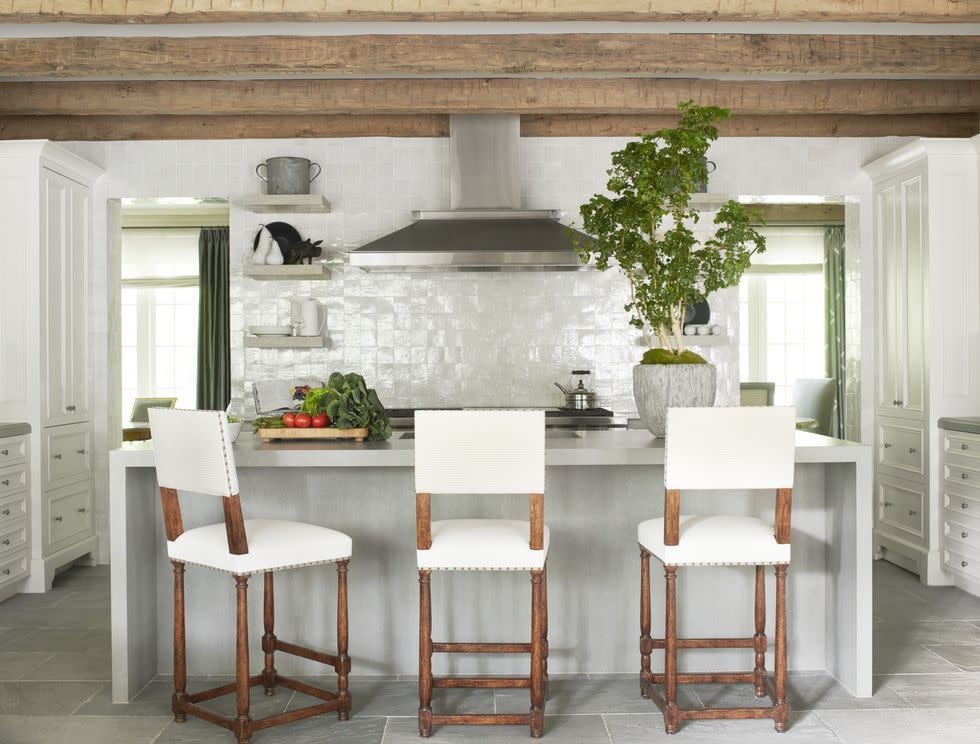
(330, 432)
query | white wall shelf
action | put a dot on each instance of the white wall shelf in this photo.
(709, 202)
(286, 203)
(284, 342)
(294, 272)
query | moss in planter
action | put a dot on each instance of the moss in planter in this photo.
(663, 356)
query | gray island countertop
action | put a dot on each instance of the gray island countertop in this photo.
(12, 429)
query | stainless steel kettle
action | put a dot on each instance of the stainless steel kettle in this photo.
(579, 397)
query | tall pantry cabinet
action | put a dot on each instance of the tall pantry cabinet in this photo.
(46, 209)
(927, 282)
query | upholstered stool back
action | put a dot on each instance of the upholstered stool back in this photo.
(479, 452)
(192, 451)
(730, 448)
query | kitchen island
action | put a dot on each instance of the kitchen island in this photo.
(599, 485)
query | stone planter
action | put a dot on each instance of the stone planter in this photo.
(657, 387)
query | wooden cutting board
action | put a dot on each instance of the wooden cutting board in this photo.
(330, 432)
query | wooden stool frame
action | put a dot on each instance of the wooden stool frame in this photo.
(673, 714)
(243, 725)
(536, 682)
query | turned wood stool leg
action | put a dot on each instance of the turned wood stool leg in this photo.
(671, 717)
(646, 643)
(544, 612)
(180, 646)
(343, 660)
(782, 707)
(243, 722)
(537, 656)
(269, 639)
(760, 631)
(425, 654)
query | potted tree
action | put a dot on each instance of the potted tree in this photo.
(645, 224)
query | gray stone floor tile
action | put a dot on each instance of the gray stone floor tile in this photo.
(55, 617)
(45, 698)
(15, 664)
(613, 694)
(806, 692)
(381, 697)
(54, 639)
(805, 728)
(71, 730)
(583, 729)
(935, 690)
(68, 666)
(908, 659)
(963, 656)
(910, 726)
(84, 599)
(926, 633)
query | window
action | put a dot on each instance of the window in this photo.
(781, 310)
(159, 315)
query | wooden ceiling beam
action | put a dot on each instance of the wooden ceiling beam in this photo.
(102, 128)
(498, 54)
(191, 11)
(494, 95)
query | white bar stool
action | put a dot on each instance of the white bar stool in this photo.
(193, 453)
(482, 452)
(712, 449)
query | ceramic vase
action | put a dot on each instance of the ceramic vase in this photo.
(657, 387)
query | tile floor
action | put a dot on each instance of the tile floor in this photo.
(54, 672)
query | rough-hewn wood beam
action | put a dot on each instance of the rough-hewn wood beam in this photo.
(189, 11)
(498, 54)
(501, 95)
(813, 125)
(99, 128)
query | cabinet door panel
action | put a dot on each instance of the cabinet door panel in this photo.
(889, 261)
(54, 299)
(80, 237)
(913, 396)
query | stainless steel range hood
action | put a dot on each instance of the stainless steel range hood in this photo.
(486, 230)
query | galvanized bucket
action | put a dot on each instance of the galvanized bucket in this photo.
(288, 175)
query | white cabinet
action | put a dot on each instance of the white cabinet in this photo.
(15, 479)
(961, 508)
(927, 281)
(46, 207)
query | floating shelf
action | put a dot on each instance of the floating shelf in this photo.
(719, 340)
(285, 203)
(294, 272)
(284, 342)
(709, 202)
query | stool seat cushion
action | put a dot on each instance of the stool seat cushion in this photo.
(273, 545)
(715, 541)
(482, 545)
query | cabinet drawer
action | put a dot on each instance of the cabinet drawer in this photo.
(965, 503)
(13, 478)
(13, 507)
(961, 564)
(964, 445)
(900, 505)
(902, 446)
(67, 454)
(12, 449)
(961, 475)
(13, 537)
(13, 568)
(69, 514)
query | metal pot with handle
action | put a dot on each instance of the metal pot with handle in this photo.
(579, 395)
(287, 175)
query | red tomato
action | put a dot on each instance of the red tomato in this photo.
(289, 420)
(319, 421)
(302, 421)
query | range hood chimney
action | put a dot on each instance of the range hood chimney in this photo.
(486, 229)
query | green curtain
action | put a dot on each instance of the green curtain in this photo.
(833, 243)
(213, 330)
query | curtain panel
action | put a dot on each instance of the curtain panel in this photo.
(214, 334)
(833, 241)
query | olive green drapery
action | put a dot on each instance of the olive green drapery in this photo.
(833, 243)
(213, 331)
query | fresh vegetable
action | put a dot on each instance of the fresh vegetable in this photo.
(289, 419)
(267, 422)
(233, 419)
(302, 421)
(351, 404)
(316, 400)
(319, 420)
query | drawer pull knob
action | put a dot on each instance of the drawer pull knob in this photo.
(5, 512)
(6, 541)
(5, 482)
(964, 535)
(6, 572)
(58, 457)
(4, 452)
(964, 564)
(886, 504)
(59, 519)
(964, 476)
(912, 512)
(898, 402)
(82, 510)
(887, 445)
(964, 505)
(911, 450)
(81, 451)
(69, 408)
(964, 446)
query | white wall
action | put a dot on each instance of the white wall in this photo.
(473, 338)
